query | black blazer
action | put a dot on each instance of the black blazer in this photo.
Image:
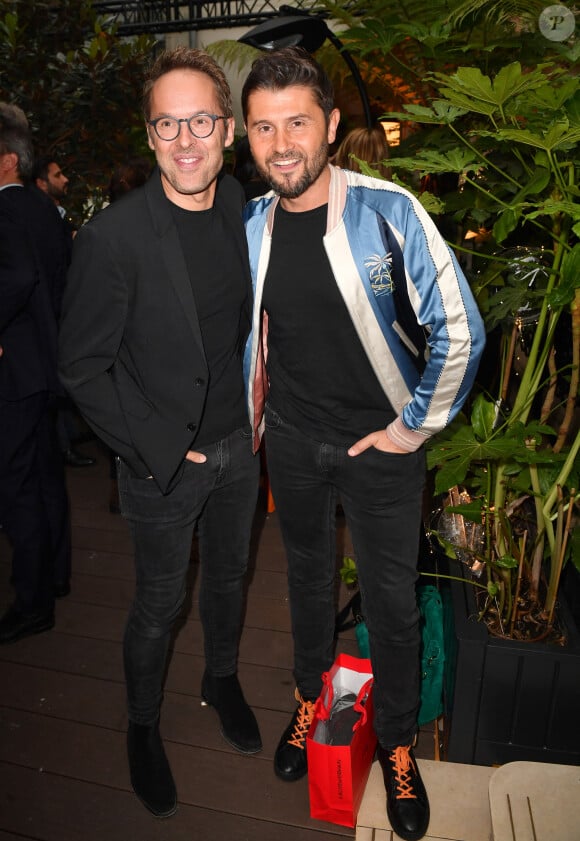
(130, 349)
(32, 275)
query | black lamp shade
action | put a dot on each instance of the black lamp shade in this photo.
(299, 31)
(309, 32)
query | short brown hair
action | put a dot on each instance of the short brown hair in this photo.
(287, 67)
(186, 58)
(366, 144)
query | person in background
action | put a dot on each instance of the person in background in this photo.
(364, 144)
(34, 510)
(155, 319)
(345, 269)
(245, 170)
(127, 176)
(49, 178)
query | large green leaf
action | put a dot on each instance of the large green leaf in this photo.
(432, 204)
(558, 136)
(473, 511)
(440, 112)
(374, 35)
(431, 161)
(502, 13)
(468, 103)
(563, 294)
(431, 36)
(573, 106)
(536, 183)
(460, 456)
(483, 417)
(451, 474)
(506, 222)
(506, 562)
(470, 88)
(553, 97)
(570, 270)
(460, 453)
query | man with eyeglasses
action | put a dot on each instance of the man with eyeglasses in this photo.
(156, 315)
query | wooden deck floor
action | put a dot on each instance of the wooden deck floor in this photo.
(63, 774)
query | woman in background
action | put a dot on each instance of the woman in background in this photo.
(366, 144)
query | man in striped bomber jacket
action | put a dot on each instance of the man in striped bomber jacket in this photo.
(371, 340)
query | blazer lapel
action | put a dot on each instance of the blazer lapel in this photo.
(179, 277)
(232, 206)
(172, 253)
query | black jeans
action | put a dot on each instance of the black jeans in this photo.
(219, 497)
(381, 495)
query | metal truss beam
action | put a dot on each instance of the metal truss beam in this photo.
(134, 17)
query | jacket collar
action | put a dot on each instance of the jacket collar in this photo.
(336, 200)
(160, 206)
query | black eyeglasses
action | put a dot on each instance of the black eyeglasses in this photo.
(200, 125)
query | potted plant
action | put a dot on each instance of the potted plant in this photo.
(516, 136)
(521, 442)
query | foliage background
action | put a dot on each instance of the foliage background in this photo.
(399, 43)
(79, 85)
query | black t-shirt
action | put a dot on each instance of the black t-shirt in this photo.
(220, 291)
(320, 378)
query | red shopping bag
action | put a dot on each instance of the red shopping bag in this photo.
(338, 771)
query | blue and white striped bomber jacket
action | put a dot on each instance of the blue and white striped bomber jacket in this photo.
(358, 207)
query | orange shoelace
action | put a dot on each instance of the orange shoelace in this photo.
(304, 717)
(403, 764)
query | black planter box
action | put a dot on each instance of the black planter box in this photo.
(512, 700)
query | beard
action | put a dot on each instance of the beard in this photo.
(57, 193)
(283, 184)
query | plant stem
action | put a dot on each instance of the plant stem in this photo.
(556, 556)
(550, 498)
(484, 160)
(509, 361)
(574, 376)
(551, 392)
(453, 578)
(540, 524)
(519, 582)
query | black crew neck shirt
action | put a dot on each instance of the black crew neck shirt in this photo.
(220, 290)
(321, 380)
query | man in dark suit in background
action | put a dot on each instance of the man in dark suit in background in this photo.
(48, 176)
(155, 319)
(33, 500)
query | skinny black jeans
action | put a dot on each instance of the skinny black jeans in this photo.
(381, 494)
(219, 497)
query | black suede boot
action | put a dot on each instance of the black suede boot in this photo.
(238, 723)
(151, 776)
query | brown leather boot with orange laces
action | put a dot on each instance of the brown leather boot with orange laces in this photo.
(407, 802)
(290, 757)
